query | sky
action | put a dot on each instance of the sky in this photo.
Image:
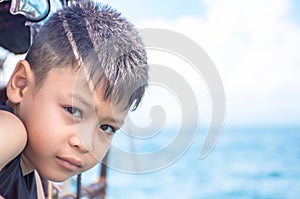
(254, 45)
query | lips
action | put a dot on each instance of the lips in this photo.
(69, 163)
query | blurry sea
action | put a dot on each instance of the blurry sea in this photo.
(247, 163)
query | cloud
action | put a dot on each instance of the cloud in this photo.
(255, 46)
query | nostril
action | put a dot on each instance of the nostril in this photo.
(77, 143)
(81, 148)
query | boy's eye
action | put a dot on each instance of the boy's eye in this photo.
(74, 111)
(108, 129)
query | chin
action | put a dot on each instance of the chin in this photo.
(59, 178)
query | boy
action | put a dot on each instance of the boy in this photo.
(85, 70)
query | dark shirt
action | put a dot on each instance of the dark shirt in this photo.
(13, 185)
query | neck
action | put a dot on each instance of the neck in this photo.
(26, 165)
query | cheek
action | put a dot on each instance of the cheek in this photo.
(44, 126)
(95, 141)
(90, 162)
(100, 148)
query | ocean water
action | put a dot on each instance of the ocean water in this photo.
(247, 163)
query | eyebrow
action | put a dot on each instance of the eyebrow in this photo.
(80, 99)
(119, 123)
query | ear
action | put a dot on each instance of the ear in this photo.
(21, 79)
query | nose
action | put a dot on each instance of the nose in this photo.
(82, 136)
(76, 142)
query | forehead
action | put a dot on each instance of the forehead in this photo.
(76, 86)
(98, 90)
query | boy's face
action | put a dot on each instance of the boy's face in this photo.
(69, 127)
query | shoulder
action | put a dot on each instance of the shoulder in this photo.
(13, 137)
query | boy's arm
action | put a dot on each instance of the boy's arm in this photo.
(13, 137)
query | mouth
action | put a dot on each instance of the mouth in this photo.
(69, 163)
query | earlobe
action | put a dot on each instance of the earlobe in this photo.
(21, 79)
